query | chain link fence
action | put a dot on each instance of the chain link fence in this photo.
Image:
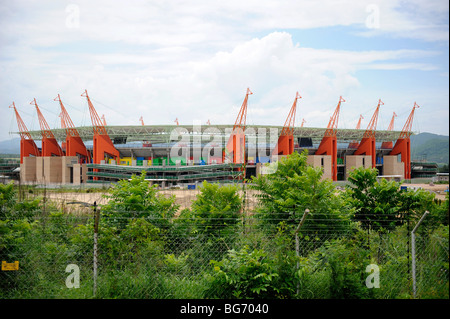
(185, 258)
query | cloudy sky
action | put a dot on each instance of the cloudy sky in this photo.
(193, 60)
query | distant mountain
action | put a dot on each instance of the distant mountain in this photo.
(11, 146)
(430, 147)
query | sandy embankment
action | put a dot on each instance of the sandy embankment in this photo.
(75, 201)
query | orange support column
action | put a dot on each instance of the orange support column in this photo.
(74, 144)
(27, 145)
(367, 147)
(102, 142)
(28, 148)
(403, 147)
(285, 145)
(50, 146)
(367, 144)
(235, 148)
(403, 144)
(103, 146)
(328, 146)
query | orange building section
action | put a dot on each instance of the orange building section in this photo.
(28, 148)
(367, 144)
(103, 146)
(235, 149)
(50, 146)
(389, 144)
(285, 145)
(403, 144)
(74, 145)
(27, 145)
(328, 145)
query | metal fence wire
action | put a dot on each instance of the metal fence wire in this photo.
(185, 258)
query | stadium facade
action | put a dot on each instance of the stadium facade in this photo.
(185, 155)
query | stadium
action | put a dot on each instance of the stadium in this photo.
(177, 155)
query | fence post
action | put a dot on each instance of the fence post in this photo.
(413, 252)
(96, 221)
(297, 243)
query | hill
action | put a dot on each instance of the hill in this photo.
(430, 147)
(11, 146)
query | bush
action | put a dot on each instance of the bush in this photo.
(243, 274)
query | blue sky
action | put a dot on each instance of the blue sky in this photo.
(193, 60)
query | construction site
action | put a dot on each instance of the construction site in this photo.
(183, 156)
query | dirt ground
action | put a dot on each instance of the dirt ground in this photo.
(184, 197)
(438, 189)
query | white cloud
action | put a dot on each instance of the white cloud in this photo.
(272, 66)
(194, 60)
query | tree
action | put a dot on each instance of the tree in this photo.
(214, 213)
(376, 203)
(295, 186)
(382, 205)
(216, 207)
(243, 274)
(136, 198)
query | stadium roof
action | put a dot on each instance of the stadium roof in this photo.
(168, 133)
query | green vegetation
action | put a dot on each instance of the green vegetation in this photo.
(147, 248)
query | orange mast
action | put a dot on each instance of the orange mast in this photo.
(328, 145)
(367, 145)
(74, 143)
(285, 145)
(50, 146)
(235, 149)
(103, 146)
(403, 144)
(388, 145)
(27, 145)
(355, 144)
